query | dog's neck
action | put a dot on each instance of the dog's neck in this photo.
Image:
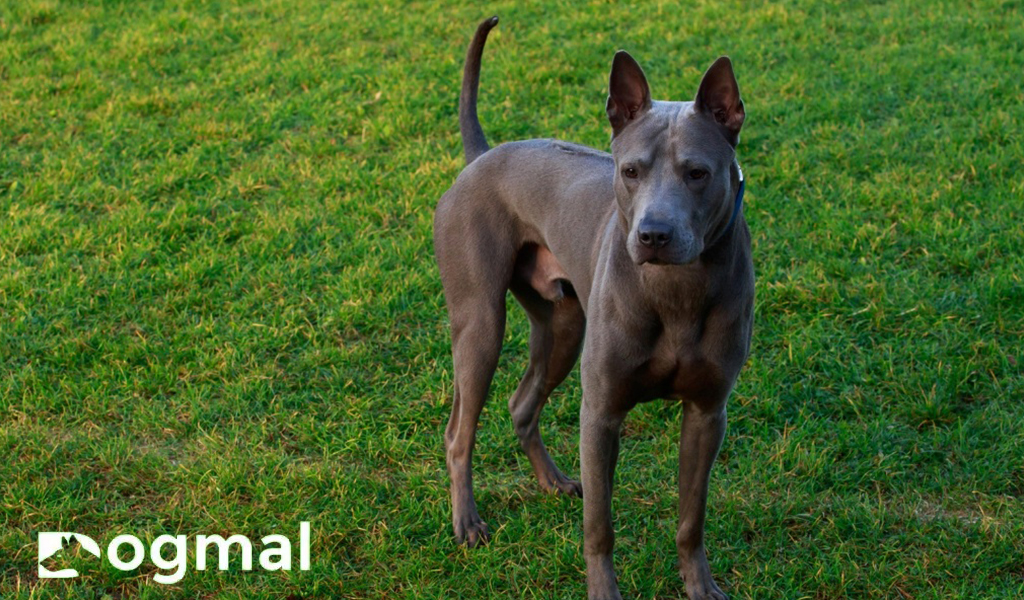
(682, 293)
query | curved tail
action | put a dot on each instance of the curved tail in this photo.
(473, 140)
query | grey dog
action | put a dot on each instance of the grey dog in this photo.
(645, 249)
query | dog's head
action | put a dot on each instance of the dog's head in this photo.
(676, 175)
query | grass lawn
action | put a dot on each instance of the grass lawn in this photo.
(219, 309)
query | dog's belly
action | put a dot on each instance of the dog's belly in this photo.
(538, 268)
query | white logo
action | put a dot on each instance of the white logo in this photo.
(275, 555)
(56, 544)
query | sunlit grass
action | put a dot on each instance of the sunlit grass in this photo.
(219, 311)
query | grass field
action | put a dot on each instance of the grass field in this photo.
(219, 311)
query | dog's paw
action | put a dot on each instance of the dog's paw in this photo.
(556, 483)
(471, 531)
(696, 573)
(704, 589)
(715, 594)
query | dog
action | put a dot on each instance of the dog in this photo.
(641, 258)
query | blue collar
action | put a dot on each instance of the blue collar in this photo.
(738, 206)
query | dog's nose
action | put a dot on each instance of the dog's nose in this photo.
(654, 234)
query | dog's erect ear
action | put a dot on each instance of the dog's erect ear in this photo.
(719, 98)
(629, 97)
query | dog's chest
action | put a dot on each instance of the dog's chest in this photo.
(682, 367)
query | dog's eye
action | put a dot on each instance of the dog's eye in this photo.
(629, 172)
(697, 174)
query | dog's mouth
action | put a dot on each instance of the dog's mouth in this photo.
(660, 261)
(662, 258)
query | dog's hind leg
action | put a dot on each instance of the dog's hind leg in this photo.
(476, 343)
(476, 267)
(556, 337)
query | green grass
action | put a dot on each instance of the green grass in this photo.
(219, 311)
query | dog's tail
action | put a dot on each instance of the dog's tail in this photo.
(473, 140)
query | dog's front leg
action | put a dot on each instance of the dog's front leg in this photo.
(600, 427)
(702, 432)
